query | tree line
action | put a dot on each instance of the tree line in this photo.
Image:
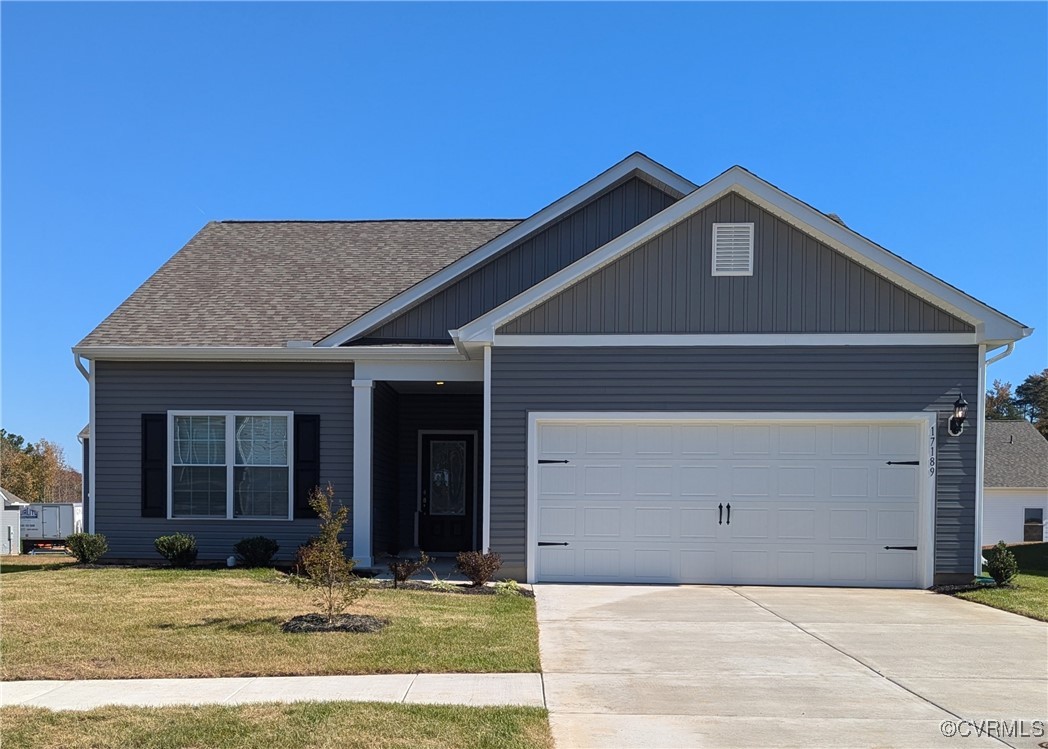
(1029, 401)
(37, 472)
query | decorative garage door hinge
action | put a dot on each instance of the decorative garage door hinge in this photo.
(553, 543)
(904, 462)
(901, 548)
(545, 460)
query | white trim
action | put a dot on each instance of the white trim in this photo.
(926, 529)
(91, 450)
(269, 353)
(737, 339)
(363, 436)
(713, 250)
(230, 464)
(420, 371)
(404, 300)
(486, 455)
(418, 471)
(990, 324)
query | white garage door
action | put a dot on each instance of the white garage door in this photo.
(791, 503)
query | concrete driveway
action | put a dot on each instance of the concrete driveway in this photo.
(708, 666)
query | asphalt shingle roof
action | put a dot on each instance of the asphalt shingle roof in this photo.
(264, 283)
(1016, 455)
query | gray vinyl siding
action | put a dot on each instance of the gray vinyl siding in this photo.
(799, 379)
(126, 390)
(385, 469)
(799, 285)
(424, 412)
(526, 263)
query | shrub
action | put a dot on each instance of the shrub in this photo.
(180, 549)
(403, 569)
(256, 551)
(1001, 564)
(328, 573)
(508, 588)
(88, 548)
(478, 566)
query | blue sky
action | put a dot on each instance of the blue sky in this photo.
(125, 127)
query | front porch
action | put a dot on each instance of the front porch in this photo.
(418, 468)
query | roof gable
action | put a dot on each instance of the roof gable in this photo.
(636, 165)
(799, 285)
(991, 326)
(523, 264)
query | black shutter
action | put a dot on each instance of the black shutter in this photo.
(154, 465)
(307, 462)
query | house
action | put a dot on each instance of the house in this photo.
(1015, 500)
(11, 499)
(645, 381)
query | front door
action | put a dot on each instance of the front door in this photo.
(447, 469)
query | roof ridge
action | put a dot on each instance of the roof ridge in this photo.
(353, 221)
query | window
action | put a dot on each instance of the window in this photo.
(1033, 524)
(230, 465)
(733, 249)
(1033, 515)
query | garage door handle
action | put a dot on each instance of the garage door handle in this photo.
(553, 543)
(729, 513)
(720, 514)
(901, 548)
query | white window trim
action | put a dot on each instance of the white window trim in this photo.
(713, 249)
(230, 464)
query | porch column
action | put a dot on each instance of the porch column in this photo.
(362, 438)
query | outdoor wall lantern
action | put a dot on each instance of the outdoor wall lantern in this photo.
(960, 413)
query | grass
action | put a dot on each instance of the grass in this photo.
(316, 725)
(1028, 595)
(59, 621)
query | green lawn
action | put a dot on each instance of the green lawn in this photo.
(1028, 595)
(323, 725)
(58, 621)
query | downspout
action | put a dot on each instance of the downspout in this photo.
(980, 446)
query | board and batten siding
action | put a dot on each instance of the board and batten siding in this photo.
(735, 379)
(799, 285)
(526, 263)
(126, 390)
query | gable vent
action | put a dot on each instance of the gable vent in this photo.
(733, 249)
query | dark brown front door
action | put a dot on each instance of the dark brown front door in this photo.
(448, 472)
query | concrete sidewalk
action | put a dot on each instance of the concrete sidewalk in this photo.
(474, 690)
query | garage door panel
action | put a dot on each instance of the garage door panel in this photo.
(698, 522)
(811, 503)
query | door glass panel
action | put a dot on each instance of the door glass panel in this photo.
(447, 477)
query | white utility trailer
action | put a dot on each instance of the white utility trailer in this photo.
(50, 522)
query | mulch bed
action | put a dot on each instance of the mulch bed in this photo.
(468, 590)
(967, 587)
(341, 623)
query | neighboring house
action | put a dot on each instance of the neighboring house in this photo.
(645, 381)
(1015, 501)
(11, 499)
